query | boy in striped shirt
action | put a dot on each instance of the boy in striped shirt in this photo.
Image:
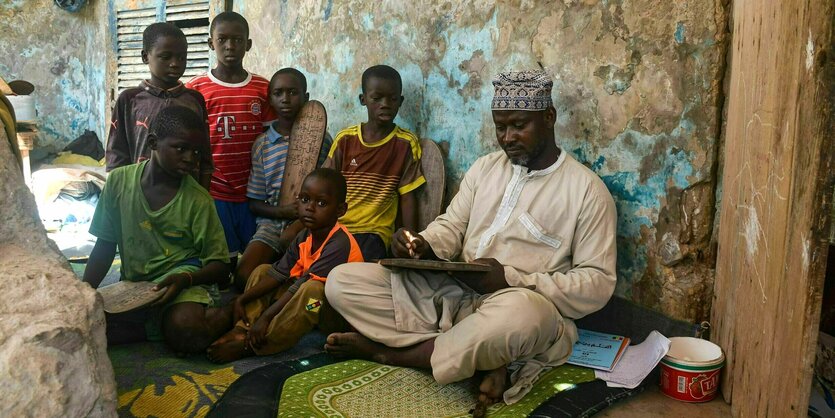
(274, 231)
(236, 101)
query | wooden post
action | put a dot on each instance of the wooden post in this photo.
(776, 186)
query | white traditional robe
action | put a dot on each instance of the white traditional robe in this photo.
(552, 228)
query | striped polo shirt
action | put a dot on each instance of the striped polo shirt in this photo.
(377, 174)
(237, 113)
(269, 155)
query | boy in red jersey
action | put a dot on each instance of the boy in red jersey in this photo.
(238, 106)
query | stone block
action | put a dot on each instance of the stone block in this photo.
(53, 349)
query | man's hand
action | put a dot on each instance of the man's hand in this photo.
(173, 284)
(409, 244)
(257, 335)
(239, 312)
(487, 282)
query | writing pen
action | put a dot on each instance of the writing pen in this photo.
(412, 240)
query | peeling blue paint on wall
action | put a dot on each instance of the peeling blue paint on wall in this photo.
(679, 35)
(633, 103)
(328, 8)
(13, 4)
(454, 92)
(59, 53)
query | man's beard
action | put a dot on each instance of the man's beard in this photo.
(522, 160)
(526, 158)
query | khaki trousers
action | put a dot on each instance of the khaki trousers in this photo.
(301, 314)
(400, 308)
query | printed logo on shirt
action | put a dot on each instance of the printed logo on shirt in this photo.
(313, 305)
(255, 107)
(143, 123)
(226, 124)
(354, 162)
(146, 225)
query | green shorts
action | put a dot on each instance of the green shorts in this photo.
(207, 295)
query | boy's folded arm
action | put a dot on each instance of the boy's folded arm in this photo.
(214, 272)
(265, 210)
(297, 284)
(261, 288)
(276, 307)
(101, 258)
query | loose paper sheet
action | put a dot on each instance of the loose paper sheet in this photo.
(637, 362)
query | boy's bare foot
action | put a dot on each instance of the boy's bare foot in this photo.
(230, 347)
(492, 387)
(355, 345)
(220, 318)
(229, 336)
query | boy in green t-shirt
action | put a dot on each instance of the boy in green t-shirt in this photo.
(167, 231)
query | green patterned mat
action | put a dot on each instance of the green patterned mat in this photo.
(152, 382)
(358, 388)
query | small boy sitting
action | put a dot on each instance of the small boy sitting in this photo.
(287, 93)
(284, 301)
(239, 110)
(168, 232)
(381, 163)
(164, 49)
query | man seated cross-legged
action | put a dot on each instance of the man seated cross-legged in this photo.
(543, 221)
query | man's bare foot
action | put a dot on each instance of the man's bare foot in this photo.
(492, 388)
(355, 345)
(230, 347)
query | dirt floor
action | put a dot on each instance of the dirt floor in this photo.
(653, 403)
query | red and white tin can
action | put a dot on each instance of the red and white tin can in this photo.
(691, 369)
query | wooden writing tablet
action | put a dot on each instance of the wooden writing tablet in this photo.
(305, 144)
(430, 197)
(410, 263)
(126, 296)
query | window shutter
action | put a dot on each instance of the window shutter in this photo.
(129, 27)
(193, 19)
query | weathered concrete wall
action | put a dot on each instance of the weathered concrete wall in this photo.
(62, 54)
(637, 88)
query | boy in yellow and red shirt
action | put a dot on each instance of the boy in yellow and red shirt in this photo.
(381, 163)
